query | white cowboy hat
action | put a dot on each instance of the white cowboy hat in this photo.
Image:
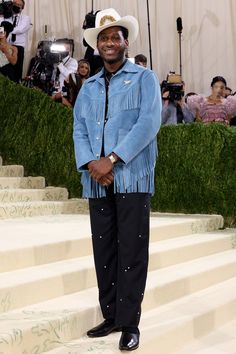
(110, 18)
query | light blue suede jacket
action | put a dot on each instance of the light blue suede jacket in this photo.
(134, 118)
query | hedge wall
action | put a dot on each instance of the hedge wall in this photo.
(196, 168)
(37, 133)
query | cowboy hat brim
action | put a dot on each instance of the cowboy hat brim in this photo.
(129, 22)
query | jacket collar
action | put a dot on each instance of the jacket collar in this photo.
(128, 67)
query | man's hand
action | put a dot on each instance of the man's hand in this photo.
(57, 96)
(100, 168)
(165, 96)
(107, 179)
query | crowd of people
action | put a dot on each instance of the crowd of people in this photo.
(13, 38)
(115, 140)
(219, 107)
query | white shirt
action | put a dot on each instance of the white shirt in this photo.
(23, 25)
(66, 67)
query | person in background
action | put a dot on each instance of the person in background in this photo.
(74, 83)
(227, 92)
(18, 37)
(116, 119)
(214, 108)
(67, 66)
(8, 53)
(175, 111)
(140, 59)
(188, 95)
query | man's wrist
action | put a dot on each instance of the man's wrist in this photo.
(113, 158)
(90, 163)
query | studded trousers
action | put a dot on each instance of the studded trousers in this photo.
(120, 236)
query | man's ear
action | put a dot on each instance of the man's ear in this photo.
(127, 43)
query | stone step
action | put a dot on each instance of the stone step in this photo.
(22, 182)
(176, 225)
(11, 171)
(46, 239)
(43, 239)
(220, 341)
(29, 195)
(57, 323)
(168, 284)
(65, 277)
(39, 208)
(182, 249)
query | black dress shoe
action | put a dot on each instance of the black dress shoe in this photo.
(103, 329)
(129, 341)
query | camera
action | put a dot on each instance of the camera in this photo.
(42, 73)
(64, 91)
(6, 8)
(89, 21)
(174, 85)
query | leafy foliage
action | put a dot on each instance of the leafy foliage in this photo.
(196, 167)
(37, 133)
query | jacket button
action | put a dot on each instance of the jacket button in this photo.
(99, 123)
(97, 155)
(97, 138)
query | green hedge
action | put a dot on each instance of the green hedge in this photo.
(37, 133)
(196, 168)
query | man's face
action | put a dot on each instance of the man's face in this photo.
(18, 3)
(112, 45)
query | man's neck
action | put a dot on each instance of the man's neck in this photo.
(113, 67)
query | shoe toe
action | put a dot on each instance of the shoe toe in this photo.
(129, 341)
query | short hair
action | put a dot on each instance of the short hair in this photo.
(140, 58)
(218, 79)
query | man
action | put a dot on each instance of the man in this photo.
(67, 66)
(140, 59)
(175, 112)
(116, 119)
(18, 38)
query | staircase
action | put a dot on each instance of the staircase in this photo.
(48, 294)
(27, 196)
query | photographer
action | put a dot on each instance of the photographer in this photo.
(8, 53)
(91, 54)
(174, 109)
(67, 66)
(18, 38)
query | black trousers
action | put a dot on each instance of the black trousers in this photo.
(19, 64)
(120, 236)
